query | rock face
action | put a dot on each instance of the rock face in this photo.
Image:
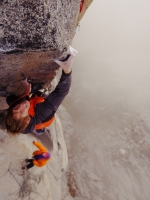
(35, 183)
(42, 24)
(32, 35)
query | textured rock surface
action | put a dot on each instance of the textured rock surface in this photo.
(36, 183)
(42, 24)
(32, 34)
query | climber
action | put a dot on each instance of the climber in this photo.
(34, 115)
(40, 157)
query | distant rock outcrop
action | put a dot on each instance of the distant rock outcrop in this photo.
(32, 35)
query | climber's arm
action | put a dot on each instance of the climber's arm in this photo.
(62, 89)
(27, 86)
(40, 146)
(54, 99)
(67, 65)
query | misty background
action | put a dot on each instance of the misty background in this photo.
(108, 131)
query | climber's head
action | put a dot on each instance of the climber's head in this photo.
(46, 155)
(21, 110)
(18, 118)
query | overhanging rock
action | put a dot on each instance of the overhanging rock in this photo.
(32, 34)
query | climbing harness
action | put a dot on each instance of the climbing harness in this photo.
(33, 102)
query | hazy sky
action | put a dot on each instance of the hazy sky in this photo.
(109, 102)
(113, 64)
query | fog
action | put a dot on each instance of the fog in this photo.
(109, 103)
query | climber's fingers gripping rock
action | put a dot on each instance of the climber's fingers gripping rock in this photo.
(27, 86)
(67, 65)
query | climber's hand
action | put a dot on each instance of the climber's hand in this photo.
(67, 65)
(27, 86)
